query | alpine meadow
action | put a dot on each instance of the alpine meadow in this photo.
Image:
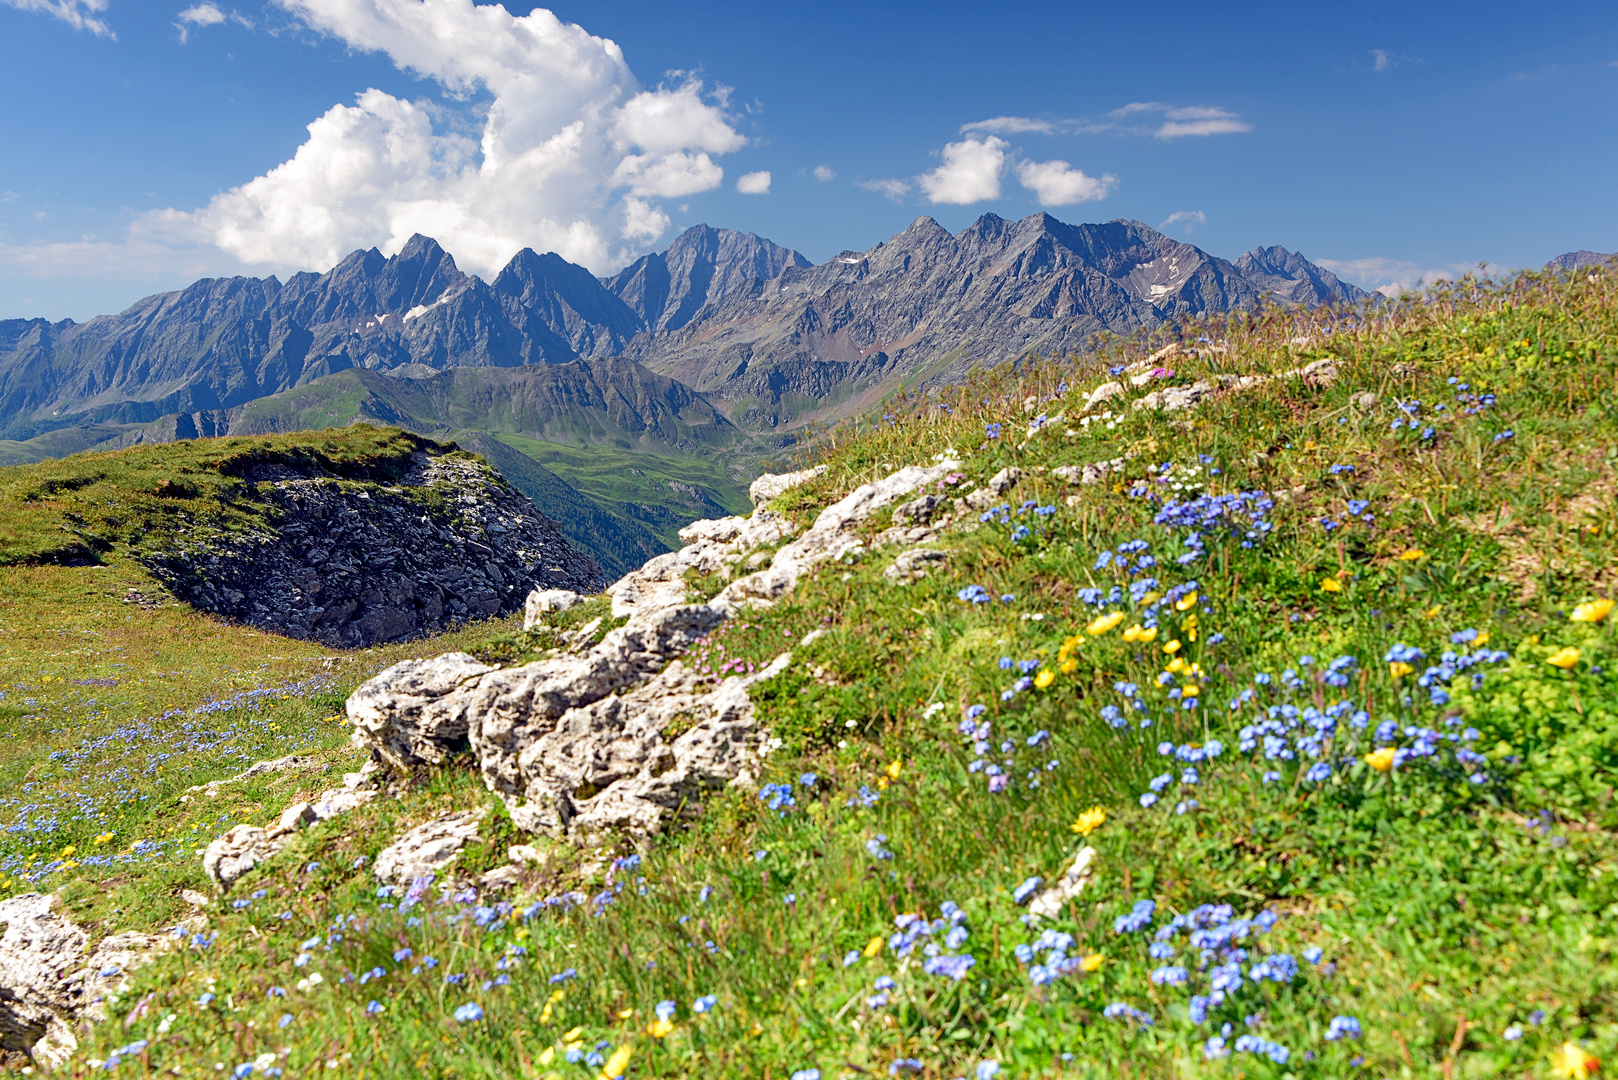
(1237, 699)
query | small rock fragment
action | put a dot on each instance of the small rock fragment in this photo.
(293, 818)
(912, 565)
(543, 601)
(1049, 903)
(235, 853)
(429, 847)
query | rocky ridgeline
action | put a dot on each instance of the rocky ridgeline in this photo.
(350, 564)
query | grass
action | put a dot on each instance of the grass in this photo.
(1461, 902)
(121, 504)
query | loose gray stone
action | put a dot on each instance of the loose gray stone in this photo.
(232, 855)
(429, 848)
(543, 601)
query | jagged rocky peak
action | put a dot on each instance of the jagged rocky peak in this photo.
(564, 292)
(703, 265)
(1578, 260)
(367, 283)
(1293, 278)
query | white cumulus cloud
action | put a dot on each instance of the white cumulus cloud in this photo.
(1056, 183)
(202, 15)
(823, 174)
(970, 173)
(754, 183)
(205, 14)
(79, 14)
(570, 152)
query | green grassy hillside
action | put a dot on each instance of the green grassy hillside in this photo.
(1321, 669)
(661, 493)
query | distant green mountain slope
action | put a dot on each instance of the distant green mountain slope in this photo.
(661, 493)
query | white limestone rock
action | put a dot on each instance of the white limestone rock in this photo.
(626, 763)
(39, 951)
(236, 852)
(1049, 904)
(410, 713)
(770, 485)
(542, 602)
(833, 535)
(429, 848)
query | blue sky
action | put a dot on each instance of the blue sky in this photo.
(150, 143)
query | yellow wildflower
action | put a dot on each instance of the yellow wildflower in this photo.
(1565, 658)
(1172, 647)
(1432, 612)
(1093, 962)
(1412, 555)
(102, 838)
(625, 1014)
(1594, 611)
(1102, 623)
(573, 1036)
(548, 1056)
(1398, 668)
(1571, 1062)
(659, 1028)
(70, 849)
(1186, 602)
(893, 769)
(1089, 821)
(1068, 645)
(1069, 666)
(1175, 666)
(1150, 598)
(1380, 760)
(1191, 690)
(1044, 678)
(874, 946)
(1482, 638)
(1331, 584)
(1140, 633)
(619, 1062)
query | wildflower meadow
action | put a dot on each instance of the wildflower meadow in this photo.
(1284, 745)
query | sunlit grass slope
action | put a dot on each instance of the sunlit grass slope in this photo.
(1322, 670)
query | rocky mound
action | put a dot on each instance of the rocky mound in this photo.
(350, 563)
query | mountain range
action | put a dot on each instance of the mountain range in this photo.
(731, 315)
(693, 362)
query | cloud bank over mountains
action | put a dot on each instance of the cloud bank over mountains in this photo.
(547, 140)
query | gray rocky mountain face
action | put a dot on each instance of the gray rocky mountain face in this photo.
(702, 266)
(728, 314)
(1578, 260)
(928, 306)
(1294, 279)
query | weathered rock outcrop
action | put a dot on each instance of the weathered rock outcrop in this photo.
(47, 980)
(350, 564)
(38, 951)
(624, 736)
